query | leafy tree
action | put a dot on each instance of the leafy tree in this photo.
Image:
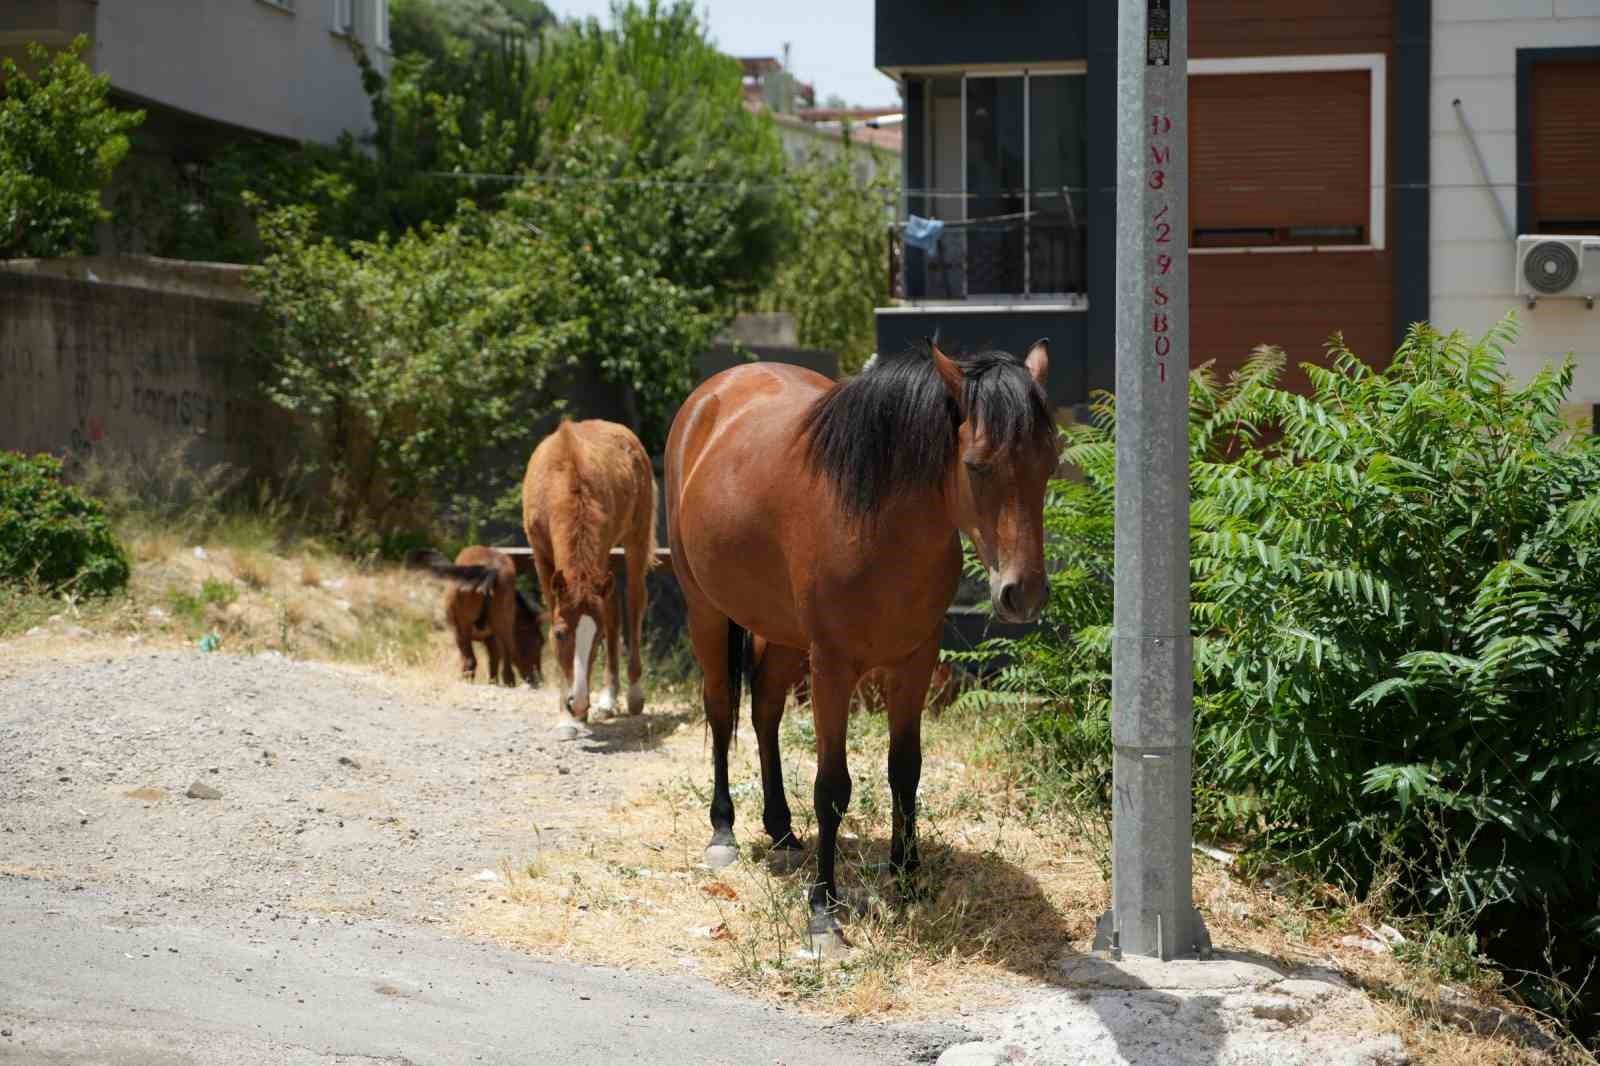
(641, 329)
(416, 361)
(835, 272)
(60, 140)
(1396, 600)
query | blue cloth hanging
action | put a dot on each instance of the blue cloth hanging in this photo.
(923, 232)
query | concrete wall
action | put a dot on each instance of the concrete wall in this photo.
(122, 355)
(1473, 264)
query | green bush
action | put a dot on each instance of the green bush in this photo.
(59, 142)
(51, 534)
(1396, 604)
(415, 359)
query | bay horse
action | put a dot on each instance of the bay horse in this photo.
(823, 520)
(590, 487)
(483, 604)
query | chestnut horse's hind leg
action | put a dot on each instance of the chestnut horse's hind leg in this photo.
(718, 645)
(832, 682)
(907, 686)
(777, 669)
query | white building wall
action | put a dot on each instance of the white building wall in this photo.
(1472, 267)
(276, 68)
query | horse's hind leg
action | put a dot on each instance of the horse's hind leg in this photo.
(907, 692)
(832, 682)
(711, 634)
(777, 670)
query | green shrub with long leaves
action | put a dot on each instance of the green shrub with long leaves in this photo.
(1396, 604)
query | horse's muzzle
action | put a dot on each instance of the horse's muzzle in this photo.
(1020, 601)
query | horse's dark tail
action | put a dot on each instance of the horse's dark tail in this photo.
(740, 667)
(479, 579)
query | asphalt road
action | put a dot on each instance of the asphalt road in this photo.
(88, 978)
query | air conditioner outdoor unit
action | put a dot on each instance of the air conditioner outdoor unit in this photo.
(1549, 267)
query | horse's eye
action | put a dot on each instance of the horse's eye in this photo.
(976, 467)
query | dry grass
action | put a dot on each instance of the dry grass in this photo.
(1006, 893)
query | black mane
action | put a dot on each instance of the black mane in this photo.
(895, 427)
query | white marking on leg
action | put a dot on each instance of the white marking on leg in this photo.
(607, 702)
(580, 663)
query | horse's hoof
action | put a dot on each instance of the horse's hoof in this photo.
(721, 855)
(570, 730)
(786, 860)
(601, 713)
(636, 698)
(825, 937)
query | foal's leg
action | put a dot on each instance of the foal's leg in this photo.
(907, 692)
(638, 561)
(469, 660)
(832, 681)
(777, 670)
(492, 646)
(710, 632)
(606, 705)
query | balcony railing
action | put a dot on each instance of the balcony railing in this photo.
(1035, 255)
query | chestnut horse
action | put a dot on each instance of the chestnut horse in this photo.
(590, 487)
(823, 519)
(483, 604)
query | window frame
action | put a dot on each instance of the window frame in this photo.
(1376, 66)
(1527, 223)
(1068, 68)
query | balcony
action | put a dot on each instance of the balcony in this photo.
(1000, 259)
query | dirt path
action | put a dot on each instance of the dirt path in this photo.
(340, 789)
(358, 813)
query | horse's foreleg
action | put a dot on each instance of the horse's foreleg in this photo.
(637, 596)
(907, 692)
(606, 705)
(831, 685)
(777, 670)
(710, 633)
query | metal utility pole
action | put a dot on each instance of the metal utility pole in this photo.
(1152, 685)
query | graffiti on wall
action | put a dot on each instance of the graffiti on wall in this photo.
(85, 367)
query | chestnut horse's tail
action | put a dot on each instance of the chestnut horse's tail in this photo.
(741, 656)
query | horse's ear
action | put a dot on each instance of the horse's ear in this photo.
(955, 382)
(1038, 360)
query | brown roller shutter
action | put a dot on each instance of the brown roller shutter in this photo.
(1279, 158)
(1566, 146)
